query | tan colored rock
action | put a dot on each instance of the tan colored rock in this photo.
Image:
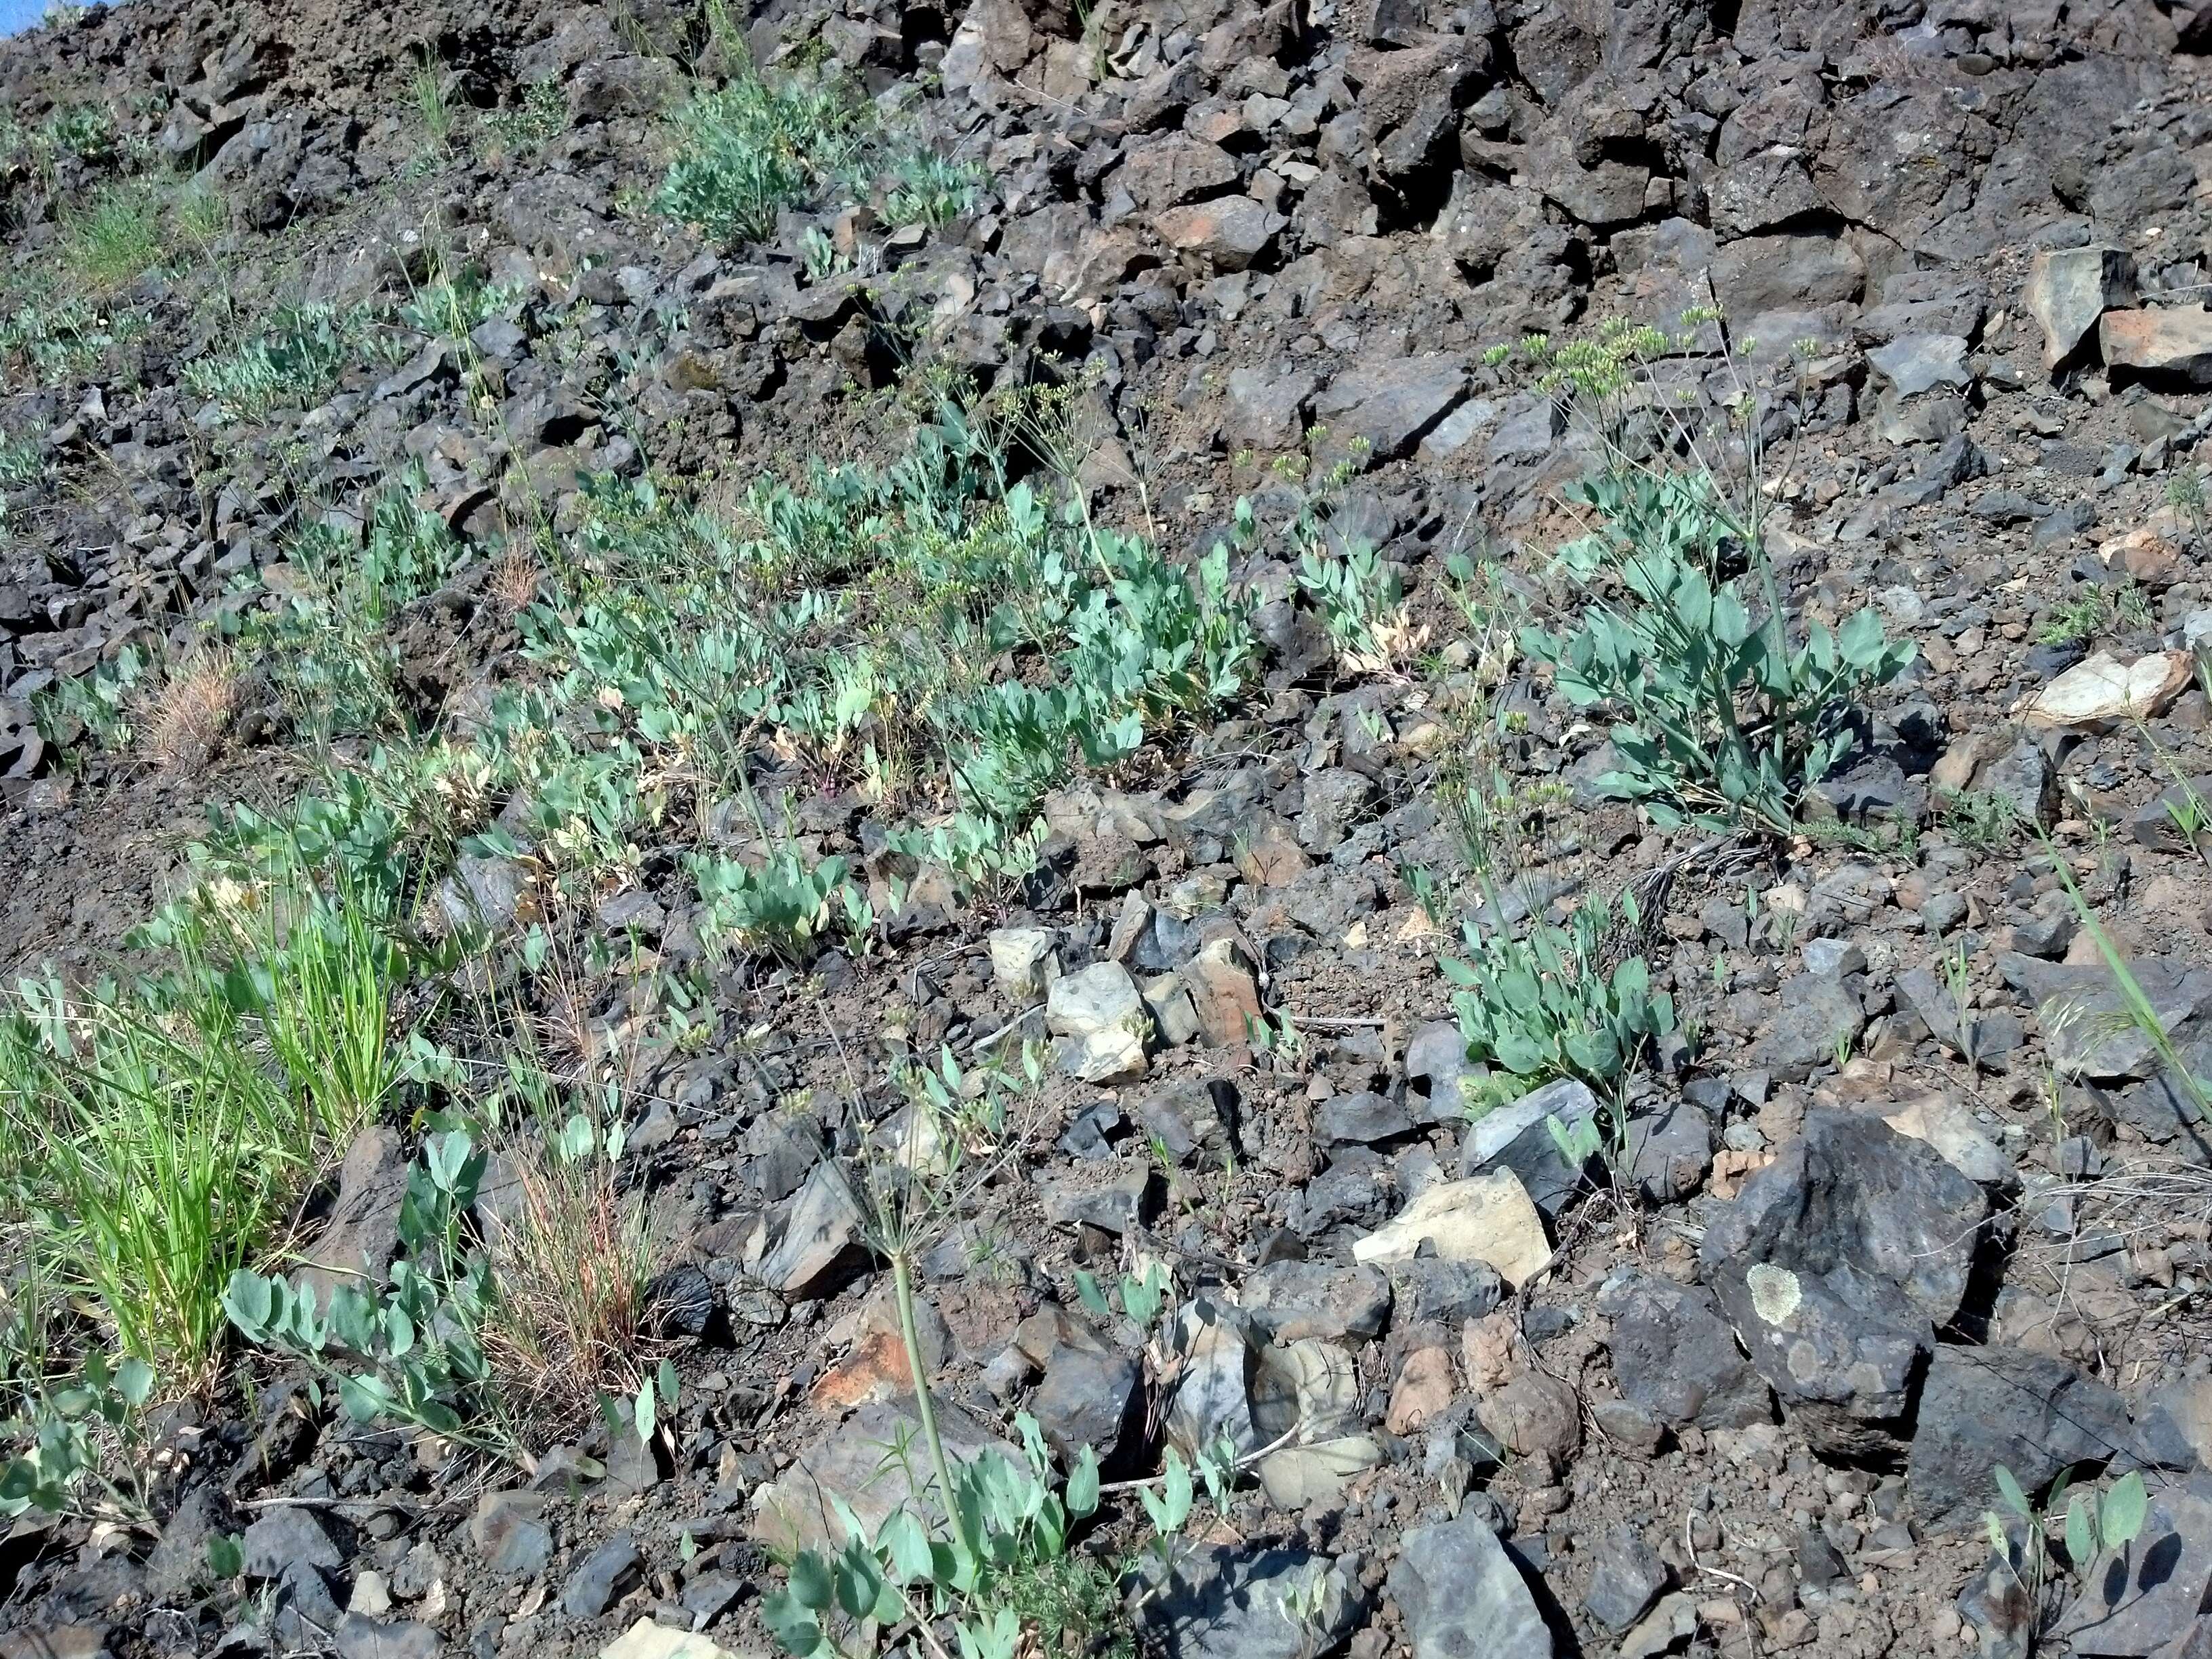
(647, 1640)
(1484, 1218)
(1948, 1125)
(1424, 1390)
(2103, 691)
(2174, 342)
(1229, 232)
(1271, 857)
(1534, 1413)
(1223, 994)
(2068, 289)
(2145, 554)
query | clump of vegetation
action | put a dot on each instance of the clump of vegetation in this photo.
(2095, 1522)
(158, 1133)
(456, 304)
(102, 702)
(1544, 1005)
(751, 149)
(196, 698)
(295, 359)
(1724, 716)
(325, 645)
(1728, 708)
(1980, 818)
(2093, 610)
(113, 241)
(542, 113)
(61, 339)
(940, 639)
(432, 107)
(928, 190)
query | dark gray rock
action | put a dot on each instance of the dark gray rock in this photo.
(600, 1578)
(1461, 1596)
(2033, 1414)
(1674, 1357)
(2085, 1015)
(1267, 406)
(1390, 402)
(179, 1560)
(1670, 1151)
(2150, 1597)
(1518, 1137)
(1626, 1577)
(1814, 1015)
(359, 1637)
(282, 1538)
(2026, 781)
(1366, 1119)
(1915, 363)
(1996, 1603)
(1836, 1265)
(1088, 1398)
(510, 1533)
(1429, 1288)
(2068, 289)
(1436, 1056)
(1223, 1603)
(1291, 1300)
(363, 1234)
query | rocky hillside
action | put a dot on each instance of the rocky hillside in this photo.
(1423, 785)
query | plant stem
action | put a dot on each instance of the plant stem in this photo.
(902, 1288)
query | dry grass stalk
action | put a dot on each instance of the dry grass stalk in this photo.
(189, 712)
(573, 1260)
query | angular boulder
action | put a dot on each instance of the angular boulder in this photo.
(1837, 1264)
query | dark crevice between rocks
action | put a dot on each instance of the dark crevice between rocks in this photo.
(1985, 1274)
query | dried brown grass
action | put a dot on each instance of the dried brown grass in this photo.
(574, 1261)
(186, 714)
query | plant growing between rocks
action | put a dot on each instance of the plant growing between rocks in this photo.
(1543, 1005)
(1725, 718)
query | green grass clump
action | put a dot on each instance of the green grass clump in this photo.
(949, 644)
(113, 242)
(296, 360)
(157, 1133)
(750, 150)
(928, 190)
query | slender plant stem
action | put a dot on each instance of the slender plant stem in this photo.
(902, 1287)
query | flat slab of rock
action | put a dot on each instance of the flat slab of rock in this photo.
(1484, 1218)
(1981, 1408)
(2170, 343)
(2068, 289)
(1461, 1597)
(2102, 691)
(2086, 1029)
(1914, 363)
(2148, 1598)
(647, 1640)
(1390, 401)
(1224, 1604)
